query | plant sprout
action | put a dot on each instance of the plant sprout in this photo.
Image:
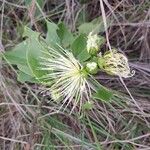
(66, 71)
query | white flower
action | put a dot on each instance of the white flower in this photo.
(68, 76)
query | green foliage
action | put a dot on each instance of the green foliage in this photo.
(65, 35)
(79, 48)
(95, 26)
(18, 54)
(103, 94)
(23, 77)
(52, 37)
(34, 53)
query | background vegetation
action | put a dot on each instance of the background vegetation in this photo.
(27, 120)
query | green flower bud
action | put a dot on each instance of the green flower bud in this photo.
(93, 43)
(92, 67)
(115, 63)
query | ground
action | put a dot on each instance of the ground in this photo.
(26, 118)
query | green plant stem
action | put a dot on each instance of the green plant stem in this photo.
(94, 134)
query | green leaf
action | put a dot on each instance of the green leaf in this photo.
(79, 48)
(27, 56)
(52, 38)
(18, 54)
(30, 33)
(23, 77)
(95, 26)
(25, 69)
(65, 35)
(82, 17)
(103, 94)
(35, 52)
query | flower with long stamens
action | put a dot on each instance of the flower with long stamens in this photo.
(68, 76)
(115, 63)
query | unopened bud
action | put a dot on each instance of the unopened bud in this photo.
(93, 43)
(92, 67)
(115, 63)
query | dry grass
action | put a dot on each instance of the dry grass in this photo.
(27, 120)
